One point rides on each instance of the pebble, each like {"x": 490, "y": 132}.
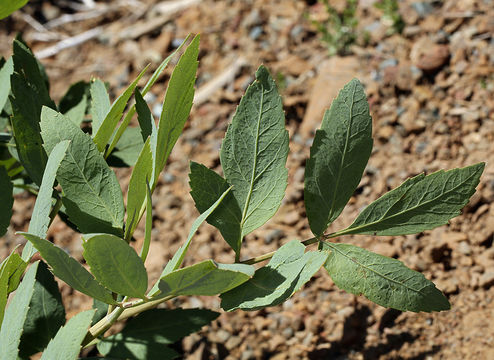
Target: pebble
{"x": 486, "y": 280}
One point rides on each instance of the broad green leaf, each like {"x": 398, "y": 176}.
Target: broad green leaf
{"x": 91, "y": 193}
{"x": 66, "y": 345}
{"x": 338, "y": 157}
{"x": 6, "y": 200}
{"x": 176, "y": 108}
{"x": 144, "y": 116}
{"x": 179, "y": 256}
{"x": 385, "y": 281}
{"x": 205, "y": 278}
{"x": 100, "y": 103}
{"x": 5, "y": 72}
{"x": 76, "y": 114}
{"x": 11, "y": 271}
{"x": 45, "y": 316}
{"x": 15, "y": 316}
{"x": 69, "y": 270}
{"x": 105, "y": 130}
{"x": 153, "y": 330}
{"x": 206, "y": 186}
{"x": 115, "y": 264}
{"x": 289, "y": 269}
{"x": 40, "y": 218}
{"x": 7, "y": 7}
{"x": 127, "y": 151}
{"x": 254, "y": 152}
{"x": 420, "y": 203}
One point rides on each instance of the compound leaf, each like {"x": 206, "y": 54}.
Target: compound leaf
{"x": 420, "y": 203}
{"x": 100, "y": 103}
{"x": 254, "y": 152}
{"x": 69, "y": 270}
{"x": 205, "y": 278}
{"x": 385, "y": 281}
{"x": 288, "y": 270}
{"x": 11, "y": 271}
{"x": 6, "y": 200}
{"x": 66, "y": 344}
{"x": 115, "y": 264}
{"x": 338, "y": 157}
{"x": 91, "y": 193}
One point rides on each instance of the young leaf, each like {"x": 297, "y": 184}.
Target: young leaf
{"x": 338, "y": 157}
{"x": 15, "y": 316}
{"x": 383, "y": 280}
{"x": 205, "y": 278}
{"x": 67, "y": 343}
{"x": 128, "y": 149}
{"x": 206, "y": 186}
{"x": 420, "y": 203}
{"x": 254, "y": 152}
{"x": 5, "y": 72}
{"x": 91, "y": 192}
{"x": 6, "y": 200}
{"x": 115, "y": 264}
{"x": 153, "y": 330}
{"x": 176, "y": 108}
{"x": 100, "y": 103}
{"x": 105, "y": 130}
{"x": 11, "y": 271}
{"x": 274, "y": 283}
{"x": 69, "y": 270}
{"x": 8, "y": 7}
{"x": 45, "y": 316}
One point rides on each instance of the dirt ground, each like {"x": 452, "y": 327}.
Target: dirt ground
{"x": 431, "y": 91}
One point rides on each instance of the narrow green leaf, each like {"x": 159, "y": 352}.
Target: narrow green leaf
{"x": 205, "y": 278}
{"x": 69, "y": 270}
{"x": 45, "y": 316}
{"x": 289, "y": 269}
{"x": 176, "y": 108}
{"x": 136, "y": 196}
{"x": 100, "y": 103}
{"x": 91, "y": 193}
{"x": 66, "y": 345}
{"x": 127, "y": 151}
{"x": 15, "y": 316}
{"x": 149, "y": 224}
{"x": 420, "y": 203}
{"x": 338, "y": 157}
{"x": 385, "y": 281}
{"x": 9, "y": 6}
{"x": 11, "y": 271}
{"x": 115, "y": 264}
{"x": 144, "y": 116}
{"x": 254, "y": 152}
{"x": 154, "y": 329}
{"x": 6, "y": 200}
{"x": 105, "y": 130}
{"x": 5, "y": 73}
{"x": 206, "y": 186}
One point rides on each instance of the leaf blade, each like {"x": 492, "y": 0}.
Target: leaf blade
{"x": 11, "y": 271}
{"x": 6, "y": 200}
{"x": 100, "y": 103}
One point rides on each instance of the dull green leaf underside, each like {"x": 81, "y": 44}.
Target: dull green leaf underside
{"x": 115, "y": 264}
{"x": 91, "y": 192}
{"x": 100, "y": 103}
{"x": 128, "y": 148}
{"x": 289, "y": 269}
{"x": 338, "y": 157}
{"x": 11, "y": 271}
{"x": 385, "y": 281}
{"x": 6, "y": 200}
{"x": 420, "y": 203}
{"x": 254, "y": 152}
{"x": 5, "y": 72}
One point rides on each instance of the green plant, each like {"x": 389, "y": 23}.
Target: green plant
{"x": 52, "y": 149}
{"x": 339, "y": 30}
{"x": 391, "y": 15}
{"x": 7, "y": 7}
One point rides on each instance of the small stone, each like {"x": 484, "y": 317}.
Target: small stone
{"x": 291, "y": 218}
{"x": 233, "y": 342}
{"x": 422, "y": 8}
{"x": 464, "y": 248}
{"x": 273, "y": 235}
{"x": 486, "y": 280}
{"x": 429, "y": 56}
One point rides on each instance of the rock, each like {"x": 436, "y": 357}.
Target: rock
{"x": 486, "y": 280}
{"x": 422, "y": 8}
{"x": 291, "y": 218}
{"x": 427, "y": 55}
{"x": 233, "y": 342}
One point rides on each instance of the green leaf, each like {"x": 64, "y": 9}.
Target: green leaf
{"x": 115, "y": 264}
{"x": 100, "y": 103}
{"x": 40, "y": 218}
{"x": 127, "y": 151}
{"x": 152, "y": 330}
{"x": 5, "y": 72}
{"x": 69, "y": 270}
{"x": 144, "y": 116}
{"x": 66, "y": 345}
{"x": 385, "y": 281}
{"x": 76, "y": 93}
{"x": 149, "y": 224}
{"x": 105, "y": 130}
{"x": 338, "y": 157}
{"x": 91, "y": 192}
{"x": 101, "y": 310}
{"x": 6, "y": 200}
{"x": 76, "y": 114}
{"x": 205, "y": 278}
{"x": 206, "y": 186}
{"x": 420, "y": 203}
{"x": 15, "y": 316}
{"x": 7, "y": 7}
{"x": 254, "y": 152}
{"x": 289, "y": 269}
{"x": 11, "y": 271}
{"x": 176, "y": 108}
{"x": 45, "y": 316}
